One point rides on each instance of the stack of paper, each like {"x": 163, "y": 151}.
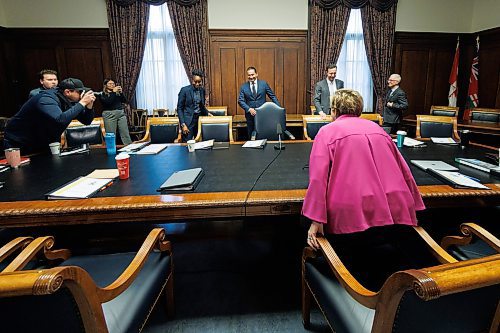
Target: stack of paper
{"x": 409, "y": 142}
{"x": 255, "y": 144}
{"x": 447, "y": 141}
{"x": 152, "y": 149}
{"x": 133, "y": 147}
{"x": 204, "y": 144}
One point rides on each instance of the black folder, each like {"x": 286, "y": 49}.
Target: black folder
{"x": 183, "y": 180}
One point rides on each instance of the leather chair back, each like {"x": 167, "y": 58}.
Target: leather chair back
{"x": 447, "y": 111}
{"x": 266, "y": 120}
{"x": 79, "y": 135}
{"x": 485, "y": 116}
{"x": 164, "y": 133}
{"x": 434, "y": 129}
{"x": 217, "y": 110}
{"x": 312, "y": 123}
{"x": 218, "y": 132}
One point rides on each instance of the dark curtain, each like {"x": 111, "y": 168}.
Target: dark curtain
{"x": 378, "y": 32}
{"x": 327, "y": 30}
{"x": 379, "y": 21}
{"x": 127, "y": 31}
{"x": 190, "y": 24}
{"x": 155, "y": 2}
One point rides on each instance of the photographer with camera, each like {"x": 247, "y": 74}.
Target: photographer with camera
{"x": 113, "y": 113}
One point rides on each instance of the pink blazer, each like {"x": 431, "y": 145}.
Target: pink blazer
{"x": 358, "y": 179}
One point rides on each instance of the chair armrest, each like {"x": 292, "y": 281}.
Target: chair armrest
{"x": 437, "y": 251}
{"x": 13, "y": 245}
{"x": 290, "y": 135}
{"x": 155, "y": 240}
{"x": 469, "y": 229}
{"x": 357, "y": 291}
{"x": 254, "y": 136}
{"x": 33, "y": 248}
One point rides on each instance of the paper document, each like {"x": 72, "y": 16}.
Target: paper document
{"x": 448, "y": 141}
{"x": 134, "y": 146}
{"x": 74, "y": 151}
{"x": 409, "y": 142}
{"x": 459, "y": 179}
{"x": 255, "y": 144}
{"x": 103, "y": 173}
{"x": 204, "y": 144}
{"x": 433, "y": 165}
{"x": 153, "y": 148}
{"x": 80, "y": 188}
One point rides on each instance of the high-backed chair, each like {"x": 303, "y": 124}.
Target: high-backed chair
{"x": 312, "y": 123}
{"x": 485, "y": 114}
{"x": 162, "y": 130}
{"x": 454, "y": 297}
{"x": 375, "y": 117}
{"x": 312, "y": 108}
{"x": 475, "y": 242}
{"x": 437, "y": 126}
{"x": 77, "y": 134}
{"x": 217, "y": 110}
{"x": 137, "y": 127}
{"x": 219, "y": 128}
{"x": 266, "y": 120}
{"x": 95, "y": 293}
{"x": 448, "y": 111}
{"x": 160, "y": 112}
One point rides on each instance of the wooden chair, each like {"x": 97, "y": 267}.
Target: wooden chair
{"x": 312, "y": 108}
{"x": 312, "y": 123}
{"x": 485, "y": 114}
{"x": 375, "y": 117}
{"x": 160, "y": 113}
{"x": 475, "y": 242}
{"x": 137, "y": 127}
{"x": 437, "y": 126}
{"x": 447, "y": 111}
{"x": 451, "y": 297}
{"x": 219, "y": 128}
{"x": 95, "y": 293}
{"x": 217, "y": 110}
{"x": 162, "y": 130}
{"x": 77, "y": 133}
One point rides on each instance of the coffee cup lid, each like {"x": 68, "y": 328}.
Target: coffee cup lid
{"x": 401, "y": 132}
{"x": 122, "y": 156}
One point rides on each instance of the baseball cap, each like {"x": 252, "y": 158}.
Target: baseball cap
{"x": 72, "y": 84}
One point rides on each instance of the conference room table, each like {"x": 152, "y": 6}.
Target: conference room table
{"x": 238, "y": 182}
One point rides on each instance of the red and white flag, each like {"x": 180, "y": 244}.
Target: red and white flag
{"x": 472, "y": 94}
{"x": 452, "y": 94}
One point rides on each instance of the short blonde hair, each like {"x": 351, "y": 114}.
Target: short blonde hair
{"x": 347, "y": 101}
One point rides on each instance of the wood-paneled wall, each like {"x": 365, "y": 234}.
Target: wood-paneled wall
{"x": 280, "y": 59}
{"x": 80, "y": 53}
{"x": 424, "y": 61}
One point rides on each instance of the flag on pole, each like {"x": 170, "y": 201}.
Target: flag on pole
{"x": 452, "y": 94}
{"x": 472, "y": 94}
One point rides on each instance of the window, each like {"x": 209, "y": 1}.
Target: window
{"x": 162, "y": 72}
{"x": 352, "y": 66}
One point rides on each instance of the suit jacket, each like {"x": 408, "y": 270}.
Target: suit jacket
{"x": 246, "y": 99}
{"x": 186, "y": 104}
{"x": 393, "y": 115}
{"x": 322, "y": 95}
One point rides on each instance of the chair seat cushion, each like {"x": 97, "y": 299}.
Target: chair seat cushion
{"x": 343, "y": 312}
{"x": 477, "y": 249}
{"x": 128, "y": 311}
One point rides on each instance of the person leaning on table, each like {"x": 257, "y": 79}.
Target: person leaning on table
{"x": 45, "y": 116}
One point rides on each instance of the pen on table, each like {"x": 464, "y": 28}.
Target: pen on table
{"x": 472, "y": 178}
{"x": 106, "y": 186}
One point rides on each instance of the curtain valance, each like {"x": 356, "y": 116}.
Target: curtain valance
{"x": 124, "y": 3}
{"x": 381, "y": 5}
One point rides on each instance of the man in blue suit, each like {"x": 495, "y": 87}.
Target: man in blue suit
{"x": 252, "y": 95}
{"x": 190, "y": 105}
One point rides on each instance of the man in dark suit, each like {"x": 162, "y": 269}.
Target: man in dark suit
{"x": 252, "y": 95}
{"x": 325, "y": 89}
{"x": 190, "y": 105}
{"x": 395, "y": 104}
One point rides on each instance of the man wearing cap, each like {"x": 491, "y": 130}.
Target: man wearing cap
{"x": 45, "y": 116}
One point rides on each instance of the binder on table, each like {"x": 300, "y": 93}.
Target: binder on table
{"x": 457, "y": 179}
{"x": 255, "y": 144}
{"x": 80, "y": 188}
{"x": 183, "y": 180}
{"x": 433, "y": 164}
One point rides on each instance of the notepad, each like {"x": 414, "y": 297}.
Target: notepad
{"x": 133, "y": 147}
{"x": 152, "y": 149}
{"x": 204, "y": 144}
{"x": 434, "y": 165}
{"x": 80, "y": 188}
{"x": 446, "y": 141}
{"x": 457, "y": 179}
{"x": 183, "y": 180}
{"x": 255, "y": 144}
{"x": 104, "y": 173}
{"x": 409, "y": 142}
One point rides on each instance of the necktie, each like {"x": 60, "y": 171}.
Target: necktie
{"x": 254, "y": 92}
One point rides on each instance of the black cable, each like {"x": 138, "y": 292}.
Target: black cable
{"x": 256, "y": 180}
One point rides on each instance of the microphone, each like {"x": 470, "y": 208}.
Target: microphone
{"x": 279, "y": 131}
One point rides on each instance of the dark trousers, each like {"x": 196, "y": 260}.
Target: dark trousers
{"x": 394, "y": 127}
{"x": 193, "y": 128}
{"x": 250, "y": 125}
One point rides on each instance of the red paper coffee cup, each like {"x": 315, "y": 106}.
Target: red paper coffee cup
{"x": 123, "y": 165}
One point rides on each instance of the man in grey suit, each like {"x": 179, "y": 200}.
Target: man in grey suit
{"x": 325, "y": 89}
{"x": 395, "y": 103}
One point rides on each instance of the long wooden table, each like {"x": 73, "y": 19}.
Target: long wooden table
{"x": 223, "y": 193}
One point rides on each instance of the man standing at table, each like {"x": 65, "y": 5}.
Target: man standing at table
{"x": 395, "y": 104}
{"x": 252, "y": 95}
{"x": 45, "y": 116}
{"x": 48, "y": 80}
{"x": 325, "y": 89}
